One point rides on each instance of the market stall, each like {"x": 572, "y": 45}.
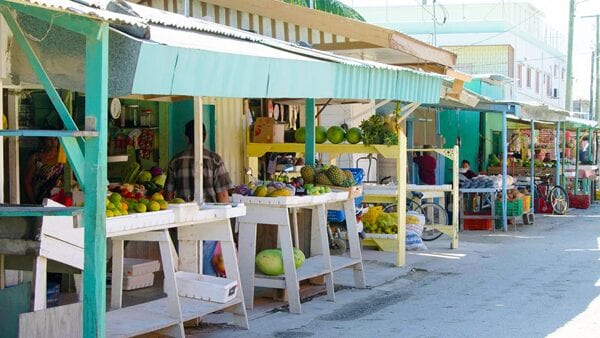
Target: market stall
{"x": 134, "y": 41}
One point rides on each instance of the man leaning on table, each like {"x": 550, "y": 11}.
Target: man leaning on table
{"x": 216, "y": 183}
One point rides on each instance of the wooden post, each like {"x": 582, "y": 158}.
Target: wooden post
{"x": 198, "y": 151}
{"x": 455, "y": 197}
{"x": 13, "y": 151}
{"x": 96, "y": 110}
{"x": 401, "y": 207}
{"x": 309, "y": 142}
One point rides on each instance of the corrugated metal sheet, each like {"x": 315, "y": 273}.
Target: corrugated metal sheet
{"x": 230, "y": 134}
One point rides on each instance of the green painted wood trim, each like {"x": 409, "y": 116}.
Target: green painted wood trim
{"x": 163, "y": 135}
{"x": 47, "y": 133}
{"x": 96, "y": 116}
{"x": 39, "y": 211}
{"x": 73, "y": 149}
{"x": 73, "y": 22}
{"x": 309, "y": 143}
{"x": 578, "y": 133}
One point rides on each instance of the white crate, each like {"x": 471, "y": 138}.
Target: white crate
{"x": 138, "y": 266}
{"x": 209, "y": 288}
{"x": 138, "y": 282}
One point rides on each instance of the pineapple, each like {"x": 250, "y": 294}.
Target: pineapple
{"x": 322, "y": 179}
{"x": 336, "y": 175}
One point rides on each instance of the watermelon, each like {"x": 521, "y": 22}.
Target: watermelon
{"x": 336, "y": 134}
{"x": 270, "y": 262}
{"x": 320, "y": 134}
{"x": 300, "y": 135}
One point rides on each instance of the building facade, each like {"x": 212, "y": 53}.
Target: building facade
{"x": 509, "y": 39}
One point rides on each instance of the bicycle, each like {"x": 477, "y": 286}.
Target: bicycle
{"x": 554, "y": 195}
{"x": 434, "y": 214}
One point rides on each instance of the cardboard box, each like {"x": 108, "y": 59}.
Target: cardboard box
{"x": 266, "y": 130}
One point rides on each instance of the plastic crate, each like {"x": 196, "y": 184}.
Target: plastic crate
{"x": 513, "y": 208}
{"x": 579, "y": 201}
{"x": 478, "y": 224}
{"x": 52, "y": 294}
{"x": 338, "y": 215}
{"x": 526, "y": 203}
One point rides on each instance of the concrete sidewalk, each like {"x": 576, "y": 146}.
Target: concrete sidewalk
{"x": 539, "y": 280}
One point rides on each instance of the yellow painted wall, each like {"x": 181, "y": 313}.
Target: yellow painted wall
{"x": 230, "y": 134}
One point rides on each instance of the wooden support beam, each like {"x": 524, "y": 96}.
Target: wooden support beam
{"x": 48, "y": 133}
{"x": 96, "y": 108}
{"x": 13, "y": 151}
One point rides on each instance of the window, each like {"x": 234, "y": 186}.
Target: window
{"x": 537, "y": 82}
{"x": 528, "y": 77}
{"x": 563, "y": 74}
{"x": 520, "y": 76}
{"x": 548, "y": 85}
{"x": 555, "y": 71}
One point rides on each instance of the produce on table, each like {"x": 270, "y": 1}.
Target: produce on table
{"x": 270, "y": 261}
{"x": 336, "y": 134}
{"x": 375, "y": 130}
{"x": 320, "y": 134}
{"x": 354, "y": 135}
{"x": 385, "y": 223}
{"x": 300, "y": 135}
{"x": 327, "y": 175}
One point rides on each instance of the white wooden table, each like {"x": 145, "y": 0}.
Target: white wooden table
{"x": 167, "y": 315}
{"x": 276, "y": 211}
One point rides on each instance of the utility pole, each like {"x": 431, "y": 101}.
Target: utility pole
{"x": 569, "y": 84}
{"x": 596, "y": 69}
{"x": 592, "y": 78}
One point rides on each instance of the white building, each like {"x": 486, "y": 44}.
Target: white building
{"x": 510, "y": 39}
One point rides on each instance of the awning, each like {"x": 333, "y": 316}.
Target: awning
{"x": 208, "y": 59}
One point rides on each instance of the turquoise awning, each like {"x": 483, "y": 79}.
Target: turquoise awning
{"x": 208, "y": 59}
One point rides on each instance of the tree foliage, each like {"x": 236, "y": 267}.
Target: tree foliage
{"x": 330, "y": 6}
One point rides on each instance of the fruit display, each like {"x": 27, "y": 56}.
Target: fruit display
{"x": 333, "y": 134}
{"x": 270, "y": 261}
{"x": 141, "y": 191}
{"x": 379, "y": 130}
{"x": 293, "y": 187}
{"x": 327, "y": 175}
{"x": 385, "y": 223}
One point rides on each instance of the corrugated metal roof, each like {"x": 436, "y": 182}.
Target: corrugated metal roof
{"x": 82, "y": 9}
{"x": 268, "y": 67}
{"x": 142, "y": 16}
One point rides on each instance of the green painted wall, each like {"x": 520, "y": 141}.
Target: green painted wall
{"x": 491, "y": 129}
{"x": 463, "y": 124}
{"x": 180, "y": 113}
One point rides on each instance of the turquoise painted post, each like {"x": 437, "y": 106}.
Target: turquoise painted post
{"x": 309, "y": 143}
{"x": 576, "y": 189}
{"x": 96, "y": 118}
{"x": 504, "y": 171}
{"x": 557, "y": 154}
{"x": 531, "y": 166}
{"x": 564, "y": 146}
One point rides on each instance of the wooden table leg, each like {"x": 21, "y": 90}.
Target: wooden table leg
{"x": 291, "y": 278}
{"x": 240, "y": 317}
{"x": 320, "y": 239}
{"x": 247, "y": 252}
{"x": 39, "y": 283}
{"x": 354, "y": 241}
{"x": 171, "y": 283}
{"x": 116, "y": 290}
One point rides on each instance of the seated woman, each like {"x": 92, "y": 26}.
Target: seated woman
{"x": 43, "y": 171}
{"x": 466, "y": 169}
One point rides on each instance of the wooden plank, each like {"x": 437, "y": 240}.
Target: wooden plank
{"x": 40, "y": 283}
{"x": 13, "y": 150}
{"x": 57, "y": 322}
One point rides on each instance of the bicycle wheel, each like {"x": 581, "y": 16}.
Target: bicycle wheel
{"x": 559, "y": 200}
{"x": 434, "y": 215}
{"x": 411, "y": 205}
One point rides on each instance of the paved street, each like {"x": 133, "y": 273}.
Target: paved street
{"x": 543, "y": 280}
